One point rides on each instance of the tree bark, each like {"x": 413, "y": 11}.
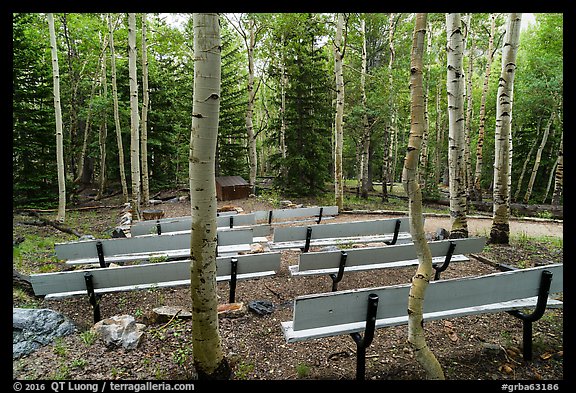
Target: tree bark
{"x": 144, "y": 118}
{"x": 134, "y": 118}
{"x": 455, "y": 91}
{"x": 58, "y": 116}
{"x": 500, "y": 231}
{"x": 116, "y": 112}
{"x": 477, "y": 189}
{"x": 252, "y": 153}
{"x": 103, "y": 133}
{"x": 209, "y": 358}
{"x": 366, "y": 183}
{"x": 339, "y": 119}
{"x": 559, "y": 174}
{"x": 538, "y": 158}
{"x": 420, "y": 280}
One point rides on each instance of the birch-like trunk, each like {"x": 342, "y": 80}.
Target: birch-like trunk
{"x": 116, "y": 113}
{"x": 209, "y": 358}
{"x": 538, "y": 158}
{"x": 339, "y": 119}
{"x": 468, "y": 184}
{"x": 500, "y": 231}
{"x": 144, "y": 118}
{"x": 477, "y": 189}
{"x": 103, "y": 133}
{"x": 439, "y": 139}
{"x": 392, "y": 134}
{"x": 252, "y": 153}
{"x": 423, "y": 167}
{"x": 82, "y": 161}
{"x": 525, "y": 165}
{"x": 559, "y": 174}
{"x": 456, "y": 139}
{"x": 134, "y": 118}
{"x": 366, "y": 127}
{"x": 424, "y": 272}
{"x": 61, "y": 216}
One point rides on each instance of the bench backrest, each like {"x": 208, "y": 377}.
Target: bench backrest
{"x": 150, "y": 273}
{"x": 146, "y": 243}
{"x": 341, "y": 229}
{"x": 387, "y": 254}
{"x": 283, "y": 214}
{"x": 185, "y": 223}
{"x": 347, "y": 309}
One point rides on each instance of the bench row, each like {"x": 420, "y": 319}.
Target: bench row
{"x": 232, "y": 241}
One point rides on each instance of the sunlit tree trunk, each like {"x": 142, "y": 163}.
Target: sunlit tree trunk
{"x": 538, "y": 157}
{"x": 559, "y": 174}
{"x": 339, "y": 120}
{"x": 252, "y": 153}
{"x": 455, "y": 90}
{"x": 366, "y": 127}
{"x": 469, "y": 109}
{"x": 525, "y": 165}
{"x": 134, "y": 118}
{"x": 423, "y": 275}
{"x": 423, "y": 167}
{"x": 61, "y": 216}
{"x": 103, "y": 133}
{"x": 392, "y": 129}
{"x": 144, "y": 118}
{"x": 116, "y": 113}
{"x": 209, "y": 359}
{"x": 500, "y": 231}
{"x": 477, "y": 193}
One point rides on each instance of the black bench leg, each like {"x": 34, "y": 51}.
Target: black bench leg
{"x": 92, "y": 296}
{"x": 396, "y": 231}
{"x": 528, "y": 319}
{"x": 233, "y": 278}
{"x": 364, "y": 342}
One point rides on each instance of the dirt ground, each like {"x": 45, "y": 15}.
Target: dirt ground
{"x": 480, "y": 347}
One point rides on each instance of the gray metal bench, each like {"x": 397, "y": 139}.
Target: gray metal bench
{"x": 283, "y": 216}
{"x": 336, "y": 263}
{"x": 98, "y": 281}
{"x": 169, "y": 246}
{"x": 177, "y": 224}
{"x": 389, "y": 231}
{"x": 353, "y": 311}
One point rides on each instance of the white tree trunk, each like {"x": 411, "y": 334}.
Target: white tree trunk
{"x": 208, "y": 355}
{"x": 144, "y": 118}
{"x": 339, "y": 140}
{"x": 58, "y": 116}
{"x": 366, "y": 127}
{"x": 500, "y": 231}
{"x": 252, "y": 153}
{"x": 116, "y": 113}
{"x": 559, "y": 175}
{"x": 480, "y": 144}
{"x": 134, "y": 118}
{"x": 423, "y": 275}
{"x": 538, "y": 158}
{"x": 455, "y": 90}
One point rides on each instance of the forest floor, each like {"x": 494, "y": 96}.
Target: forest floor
{"x": 479, "y": 347}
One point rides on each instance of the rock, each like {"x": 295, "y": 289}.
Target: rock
{"x": 152, "y": 214}
{"x": 118, "y": 233}
{"x": 164, "y": 314}
{"x": 261, "y": 307}
{"x": 86, "y": 237}
{"x": 34, "y": 328}
{"x": 120, "y": 330}
{"x": 442, "y": 234}
{"x": 231, "y": 310}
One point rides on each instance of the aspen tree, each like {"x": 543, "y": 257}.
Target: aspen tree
{"x": 500, "y": 231}
{"x": 424, "y": 272}
{"x": 134, "y": 118}
{"x": 116, "y": 112}
{"x": 209, "y": 359}
{"x": 144, "y": 118}
{"x": 58, "y": 116}
{"x": 339, "y": 140}
{"x": 456, "y": 161}
{"x": 366, "y": 183}
{"x": 477, "y": 189}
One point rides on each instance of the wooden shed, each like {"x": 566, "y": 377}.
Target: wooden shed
{"x": 232, "y": 187}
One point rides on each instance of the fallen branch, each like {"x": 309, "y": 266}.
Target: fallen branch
{"x": 56, "y": 224}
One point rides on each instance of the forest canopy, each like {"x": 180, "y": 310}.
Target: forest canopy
{"x": 292, "y": 106}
